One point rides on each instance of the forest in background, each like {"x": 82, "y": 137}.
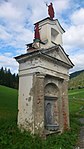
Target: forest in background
{"x": 8, "y": 79}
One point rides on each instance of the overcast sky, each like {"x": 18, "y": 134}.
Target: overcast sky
{"x": 16, "y": 28}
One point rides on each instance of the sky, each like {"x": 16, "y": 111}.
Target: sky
{"x": 16, "y": 28}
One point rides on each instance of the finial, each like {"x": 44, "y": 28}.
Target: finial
{"x": 50, "y": 10}
{"x": 36, "y": 33}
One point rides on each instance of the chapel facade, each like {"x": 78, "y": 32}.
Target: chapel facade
{"x": 43, "y": 81}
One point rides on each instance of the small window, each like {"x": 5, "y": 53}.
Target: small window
{"x": 54, "y": 34}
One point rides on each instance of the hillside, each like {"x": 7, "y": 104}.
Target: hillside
{"x": 12, "y": 138}
{"x": 8, "y": 103}
{"x": 77, "y": 80}
{"x": 75, "y": 74}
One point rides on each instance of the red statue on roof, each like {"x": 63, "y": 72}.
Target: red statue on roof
{"x": 36, "y": 33}
{"x": 51, "y": 11}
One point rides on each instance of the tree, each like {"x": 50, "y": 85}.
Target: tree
{"x": 8, "y": 79}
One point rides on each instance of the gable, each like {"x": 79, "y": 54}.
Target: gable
{"x": 58, "y": 53}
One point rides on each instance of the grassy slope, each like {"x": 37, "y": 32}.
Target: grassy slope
{"x": 8, "y": 103}
{"x": 12, "y": 138}
{"x": 76, "y": 73}
{"x": 76, "y": 102}
{"x": 77, "y": 81}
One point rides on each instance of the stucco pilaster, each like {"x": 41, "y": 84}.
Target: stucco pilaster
{"x": 60, "y": 108}
{"x": 38, "y": 103}
{"x": 65, "y": 105}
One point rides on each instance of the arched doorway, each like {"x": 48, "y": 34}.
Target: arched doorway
{"x": 51, "y": 112}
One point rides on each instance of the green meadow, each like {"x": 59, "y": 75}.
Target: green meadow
{"x": 12, "y": 138}
{"x": 76, "y": 102}
{"x": 8, "y": 104}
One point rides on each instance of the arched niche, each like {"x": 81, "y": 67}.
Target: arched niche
{"x": 51, "y": 113}
{"x": 51, "y": 90}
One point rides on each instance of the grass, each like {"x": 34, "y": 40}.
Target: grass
{"x": 8, "y": 104}
{"x": 77, "y": 81}
{"x": 76, "y": 102}
{"x": 12, "y": 138}
{"x": 76, "y": 93}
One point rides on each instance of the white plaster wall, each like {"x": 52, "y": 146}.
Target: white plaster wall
{"x": 45, "y": 33}
{"x": 39, "y": 61}
{"x": 53, "y": 66}
{"x": 30, "y": 63}
{"x": 42, "y": 65}
{"x": 25, "y": 102}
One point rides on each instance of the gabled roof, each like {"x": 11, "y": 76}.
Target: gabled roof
{"x": 61, "y": 56}
{"x": 54, "y": 20}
